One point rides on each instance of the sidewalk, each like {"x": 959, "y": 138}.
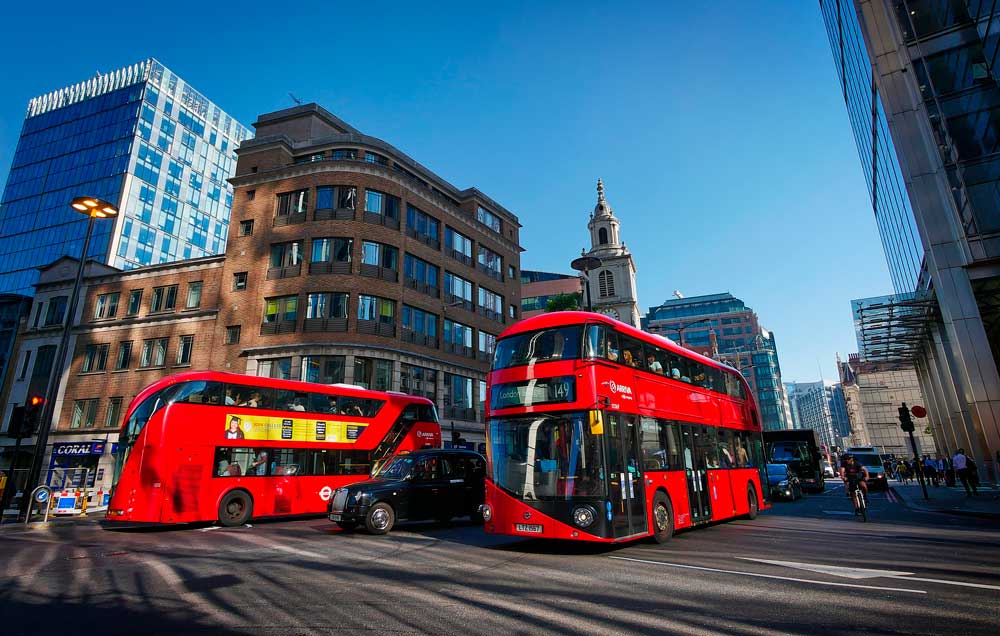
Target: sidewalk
{"x": 951, "y": 500}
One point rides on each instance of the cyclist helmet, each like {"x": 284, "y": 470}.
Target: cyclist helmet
{"x": 847, "y": 456}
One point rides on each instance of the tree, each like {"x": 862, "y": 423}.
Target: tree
{"x": 563, "y": 302}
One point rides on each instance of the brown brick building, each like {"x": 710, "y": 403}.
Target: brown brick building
{"x": 347, "y": 261}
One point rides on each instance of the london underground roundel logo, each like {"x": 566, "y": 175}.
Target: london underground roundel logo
{"x": 325, "y": 493}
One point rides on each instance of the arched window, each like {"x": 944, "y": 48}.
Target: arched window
{"x": 606, "y": 284}
{"x": 602, "y": 236}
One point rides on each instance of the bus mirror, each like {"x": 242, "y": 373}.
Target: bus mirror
{"x": 596, "y": 423}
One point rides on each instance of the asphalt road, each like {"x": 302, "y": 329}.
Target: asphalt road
{"x": 933, "y": 574}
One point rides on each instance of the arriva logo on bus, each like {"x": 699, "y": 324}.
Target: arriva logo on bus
{"x": 619, "y": 389}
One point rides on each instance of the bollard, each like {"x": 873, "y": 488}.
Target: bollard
{"x": 83, "y": 506}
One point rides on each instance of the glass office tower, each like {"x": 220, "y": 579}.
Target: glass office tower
{"x": 140, "y": 137}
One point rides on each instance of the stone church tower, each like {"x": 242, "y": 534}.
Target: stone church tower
{"x": 612, "y": 285}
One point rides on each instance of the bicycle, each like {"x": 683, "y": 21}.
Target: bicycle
{"x": 860, "y": 501}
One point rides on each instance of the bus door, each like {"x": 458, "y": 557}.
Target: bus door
{"x": 625, "y": 476}
{"x": 696, "y": 470}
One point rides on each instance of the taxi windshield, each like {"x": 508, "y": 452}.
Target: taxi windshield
{"x": 397, "y": 468}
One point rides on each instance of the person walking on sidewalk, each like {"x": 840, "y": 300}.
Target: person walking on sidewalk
{"x": 930, "y": 470}
{"x": 961, "y": 463}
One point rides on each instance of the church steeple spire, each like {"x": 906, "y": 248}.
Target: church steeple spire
{"x": 612, "y": 285}
{"x": 602, "y": 209}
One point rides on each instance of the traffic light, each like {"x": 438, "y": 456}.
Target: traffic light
{"x": 905, "y": 421}
{"x": 24, "y": 419}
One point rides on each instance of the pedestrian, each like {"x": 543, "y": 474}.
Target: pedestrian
{"x": 961, "y": 462}
{"x": 930, "y": 470}
{"x": 949, "y": 472}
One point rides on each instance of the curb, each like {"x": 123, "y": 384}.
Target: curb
{"x": 19, "y": 526}
{"x": 946, "y": 511}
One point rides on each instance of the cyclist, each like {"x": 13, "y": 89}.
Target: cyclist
{"x": 855, "y": 476}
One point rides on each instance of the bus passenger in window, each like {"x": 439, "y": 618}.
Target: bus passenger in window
{"x": 331, "y": 405}
{"x": 259, "y": 466}
{"x": 628, "y": 359}
{"x": 675, "y": 373}
{"x": 297, "y": 405}
{"x": 653, "y": 364}
{"x": 741, "y": 455}
{"x": 230, "y": 401}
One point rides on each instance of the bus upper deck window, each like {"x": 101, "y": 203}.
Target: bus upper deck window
{"x": 596, "y": 343}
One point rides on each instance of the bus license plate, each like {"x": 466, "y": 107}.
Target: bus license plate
{"x": 528, "y": 527}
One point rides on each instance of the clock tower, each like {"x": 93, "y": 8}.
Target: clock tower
{"x": 612, "y": 285}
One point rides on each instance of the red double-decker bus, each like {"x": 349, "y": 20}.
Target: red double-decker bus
{"x": 206, "y": 446}
{"x": 601, "y": 432}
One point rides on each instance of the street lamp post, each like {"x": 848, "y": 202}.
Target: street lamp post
{"x": 95, "y": 209}
{"x": 680, "y": 330}
{"x": 585, "y": 264}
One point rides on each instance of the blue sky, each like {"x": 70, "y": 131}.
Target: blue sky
{"x": 718, "y": 128}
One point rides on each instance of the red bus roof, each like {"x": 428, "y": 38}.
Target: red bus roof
{"x": 566, "y": 318}
{"x": 270, "y": 383}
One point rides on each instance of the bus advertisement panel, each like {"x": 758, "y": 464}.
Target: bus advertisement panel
{"x": 206, "y": 446}
{"x": 600, "y": 432}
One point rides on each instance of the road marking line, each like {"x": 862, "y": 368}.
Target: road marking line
{"x": 944, "y": 582}
{"x": 866, "y": 573}
{"x": 838, "y": 512}
{"x": 209, "y": 529}
{"x": 772, "y": 576}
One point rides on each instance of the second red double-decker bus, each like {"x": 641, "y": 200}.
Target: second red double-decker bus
{"x": 598, "y": 431}
{"x": 206, "y": 446}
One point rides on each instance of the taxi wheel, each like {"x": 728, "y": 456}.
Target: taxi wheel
{"x": 235, "y": 509}
{"x": 663, "y": 518}
{"x": 380, "y": 518}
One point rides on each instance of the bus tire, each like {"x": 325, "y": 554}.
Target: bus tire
{"x": 752, "y": 502}
{"x": 236, "y": 508}
{"x": 663, "y": 518}
{"x": 380, "y": 518}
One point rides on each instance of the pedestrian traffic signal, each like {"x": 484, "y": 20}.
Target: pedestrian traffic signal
{"x": 905, "y": 421}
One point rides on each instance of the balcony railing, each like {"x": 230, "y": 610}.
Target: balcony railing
{"x": 457, "y": 349}
{"x": 423, "y": 238}
{"x": 289, "y": 219}
{"x": 377, "y": 328}
{"x": 460, "y": 413}
{"x": 492, "y": 273}
{"x": 314, "y": 325}
{"x": 277, "y": 327}
{"x": 381, "y": 219}
{"x": 330, "y": 214}
{"x": 408, "y": 335}
{"x": 458, "y": 301}
{"x": 330, "y": 267}
{"x": 460, "y": 257}
{"x": 422, "y": 287}
{"x": 375, "y": 271}
{"x": 484, "y": 356}
{"x": 289, "y": 271}
{"x": 491, "y": 314}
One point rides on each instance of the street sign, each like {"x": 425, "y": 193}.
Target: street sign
{"x": 918, "y": 411}
{"x": 42, "y": 495}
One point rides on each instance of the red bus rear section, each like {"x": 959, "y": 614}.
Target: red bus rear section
{"x": 598, "y": 431}
{"x": 205, "y": 446}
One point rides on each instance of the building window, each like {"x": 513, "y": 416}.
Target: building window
{"x": 344, "y": 154}
{"x": 194, "y": 295}
{"x": 154, "y": 353}
{"x": 280, "y": 368}
{"x": 420, "y": 322}
{"x": 373, "y": 373}
{"x": 283, "y": 309}
{"x": 490, "y": 262}
{"x": 290, "y": 203}
{"x": 107, "y": 306}
{"x": 457, "y": 395}
{"x": 489, "y": 219}
{"x": 379, "y": 255}
{"x": 422, "y": 272}
{"x": 512, "y": 312}
{"x": 606, "y": 284}
{"x": 417, "y": 222}
{"x": 56, "y": 312}
{"x": 239, "y": 281}
{"x": 602, "y": 236}
{"x": 233, "y": 334}
{"x": 457, "y": 337}
{"x": 376, "y": 309}
{"x": 286, "y": 254}
{"x": 84, "y": 413}
{"x": 251, "y": 195}
{"x": 25, "y": 364}
{"x": 491, "y": 304}
{"x": 124, "y": 358}
{"x": 326, "y": 305}
{"x": 323, "y": 369}
{"x": 184, "y": 347}
{"x": 164, "y": 299}
{"x": 246, "y": 227}
{"x": 134, "y": 302}
{"x": 95, "y": 357}
{"x": 345, "y": 197}
{"x": 371, "y": 157}
{"x": 418, "y": 381}
{"x": 114, "y": 413}
{"x": 511, "y": 272}
{"x": 459, "y": 245}
{"x": 383, "y": 204}
{"x": 458, "y": 288}
{"x": 487, "y": 344}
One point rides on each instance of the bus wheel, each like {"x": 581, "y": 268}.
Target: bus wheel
{"x": 235, "y": 509}
{"x": 380, "y": 518}
{"x": 663, "y": 518}
{"x": 754, "y": 505}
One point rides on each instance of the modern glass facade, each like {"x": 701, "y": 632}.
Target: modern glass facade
{"x": 723, "y": 327}
{"x": 139, "y": 136}
{"x": 890, "y": 201}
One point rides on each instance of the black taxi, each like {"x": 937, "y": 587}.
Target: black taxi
{"x": 439, "y": 484}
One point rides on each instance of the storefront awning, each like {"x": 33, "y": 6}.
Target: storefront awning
{"x": 893, "y": 327}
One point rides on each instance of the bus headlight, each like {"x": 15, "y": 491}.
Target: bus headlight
{"x": 583, "y": 516}
{"x": 486, "y": 512}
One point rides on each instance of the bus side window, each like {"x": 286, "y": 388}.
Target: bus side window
{"x": 612, "y": 352}
{"x": 595, "y": 342}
